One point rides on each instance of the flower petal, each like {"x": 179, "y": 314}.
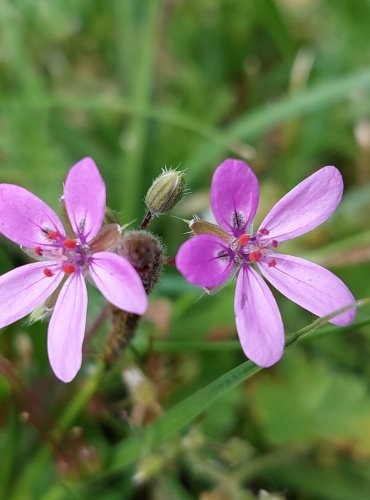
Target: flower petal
{"x": 205, "y": 260}
{"x": 84, "y": 194}
{"x": 26, "y": 288}
{"x": 258, "y": 319}
{"x": 23, "y": 216}
{"x": 234, "y": 196}
{"x": 67, "y": 328}
{"x": 119, "y": 282}
{"x": 306, "y": 206}
{"x": 311, "y": 286}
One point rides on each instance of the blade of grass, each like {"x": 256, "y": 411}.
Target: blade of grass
{"x": 177, "y": 417}
{"x": 133, "y": 161}
{"x": 115, "y": 104}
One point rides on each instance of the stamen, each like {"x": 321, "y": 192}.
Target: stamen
{"x": 275, "y": 243}
{"x": 69, "y": 243}
{"x": 272, "y": 263}
{"x": 38, "y": 251}
{"x": 255, "y": 256}
{"x": 53, "y": 235}
{"x": 243, "y": 240}
{"x": 69, "y": 268}
{"x": 264, "y": 231}
{"x": 48, "y": 272}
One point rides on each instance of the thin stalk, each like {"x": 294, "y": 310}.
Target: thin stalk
{"x": 146, "y": 221}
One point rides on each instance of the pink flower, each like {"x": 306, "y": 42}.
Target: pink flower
{"x": 67, "y": 259}
{"x": 217, "y": 252}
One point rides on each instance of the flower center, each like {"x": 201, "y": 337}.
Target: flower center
{"x": 257, "y": 248}
{"x": 70, "y": 254}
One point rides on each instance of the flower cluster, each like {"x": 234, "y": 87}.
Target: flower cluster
{"x": 218, "y": 252}
{"x": 66, "y": 257}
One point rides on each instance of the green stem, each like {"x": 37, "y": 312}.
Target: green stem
{"x": 257, "y": 466}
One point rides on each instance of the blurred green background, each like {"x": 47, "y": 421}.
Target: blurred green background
{"x": 143, "y": 84}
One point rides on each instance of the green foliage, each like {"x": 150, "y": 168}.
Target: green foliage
{"x": 319, "y": 403}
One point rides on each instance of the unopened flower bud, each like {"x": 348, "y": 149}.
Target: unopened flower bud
{"x": 146, "y": 254}
{"x": 165, "y": 192}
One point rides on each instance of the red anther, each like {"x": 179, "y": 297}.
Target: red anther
{"x": 53, "y": 235}
{"x": 272, "y": 263}
{"x": 48, "y": 272}
{"x": 275, "y": 243}
{"x": 38, "y": 251}
{"x": 243, "y": 240}
{"x": 264, "y": 231}
{"x": 69, "y": 268}
{"x": 255, "y": 256}
{"x": 68, "y": 243}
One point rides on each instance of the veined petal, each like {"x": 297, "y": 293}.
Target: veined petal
{"x": 258, "y": 321}
{"x": 205, "y": 260}
{"x": 119, "y": 282}
{"x": 26, "y": 288}
{"x": 24, "y": 218}
{"x": 306, "y": 206}
{"x": 67, "y": 328}
{"x": 84, "y": 195}
{"x": 234, "y": 196}
{"x": 311, "y": 286}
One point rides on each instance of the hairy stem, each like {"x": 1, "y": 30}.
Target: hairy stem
{"x": 122, "y": 331}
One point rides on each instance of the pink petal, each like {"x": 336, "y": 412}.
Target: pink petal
{"x": 205, "y": 260}
{"x": 119, "y": 282}
{"x": 234, "y": 196}
{"x": 311, "y": 286}
{"x": 306, "y": 206}
{"x": 258, "y": 319}
{"x": 67, "y": 328}
{"x": 23, "y": 216}
{"x": 26, "y": 288}
{"x": 84, "y": 194}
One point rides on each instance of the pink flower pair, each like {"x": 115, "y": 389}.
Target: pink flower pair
{"x": 216, "y": 253}
{"x": 66, "y": 257}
